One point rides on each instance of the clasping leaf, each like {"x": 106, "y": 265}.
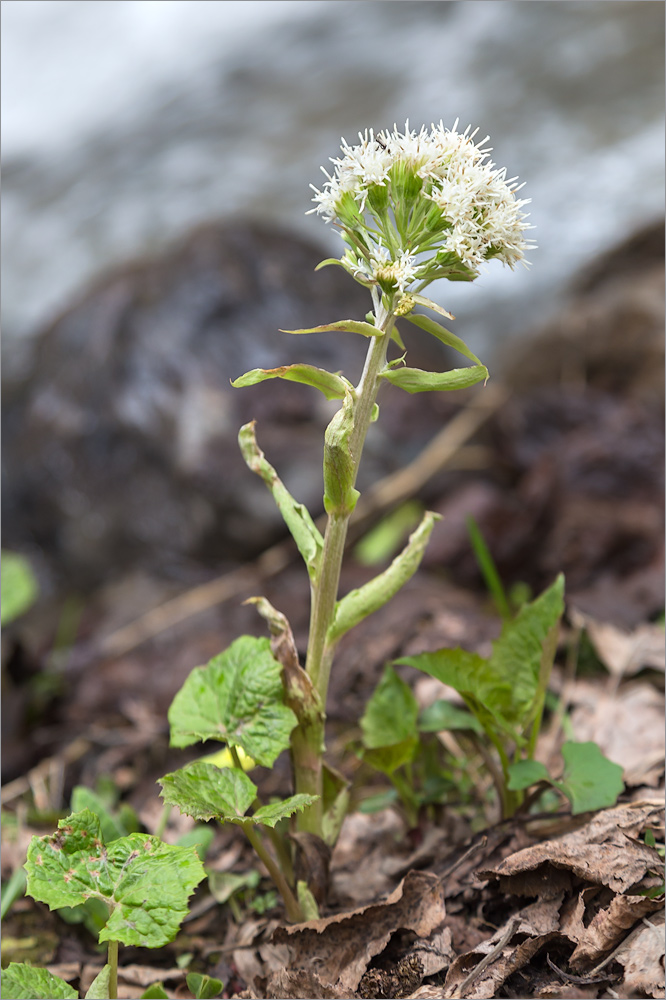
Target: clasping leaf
{"x": 296, "y": 516}
{"x": 332, "y": 386}
{"x": 416, "y": 380}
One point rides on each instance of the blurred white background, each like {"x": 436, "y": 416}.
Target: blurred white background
{"x": 126, "y": 122}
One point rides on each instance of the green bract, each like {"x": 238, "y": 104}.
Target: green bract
{"x": 237, "y": 698}
{"x": 144, "y": 882}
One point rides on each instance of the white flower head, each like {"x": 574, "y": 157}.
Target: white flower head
{"x": 433, "y": 191}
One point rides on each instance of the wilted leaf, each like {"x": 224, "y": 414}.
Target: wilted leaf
{"x": 20, "y": 981}
{"x": 390, "y": 714}
{"x": 237, "y": 697}
{"x": 341, "y": 947}
{"x": 144, "y": 882}
{"x": 415, "y": 380}
{"x": 332, "y": 386}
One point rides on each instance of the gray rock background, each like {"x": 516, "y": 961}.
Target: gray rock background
{"x": 127, "y": 122}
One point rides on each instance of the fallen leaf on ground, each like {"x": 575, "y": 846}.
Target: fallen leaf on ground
{"x": 625, "y": 653}
{"x": 643, "y": 960}
{"x": 341, "y": 947}
{"x": 605, "y": 851}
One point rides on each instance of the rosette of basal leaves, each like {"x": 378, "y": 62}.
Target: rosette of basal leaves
{"x": 205, "y": 792}
{"x": 237, "y": 698}
{"x": 144, "y": 882}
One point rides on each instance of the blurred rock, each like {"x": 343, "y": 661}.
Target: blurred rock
{"x": 120, "y": 448}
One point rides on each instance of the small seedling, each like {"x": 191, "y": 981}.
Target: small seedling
{"x": 143, "y": 883}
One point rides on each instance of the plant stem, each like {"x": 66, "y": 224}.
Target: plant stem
{"x": 325, "y": 593}
{"x": 291, "y": 905}
{"x": 112, "y": 959}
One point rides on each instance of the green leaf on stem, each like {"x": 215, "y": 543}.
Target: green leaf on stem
{"x": 296, "y": 515}
{"x": 20, "y": 980}
{"x": 524, "y": 773}
{"x": 343, "y": 326}
{"x": 391, "y": 713}
{"x": 205, "y": 792}
{"x": 590, "y": 781}
{"x": 332, "y": 386}
{"x": 144, "y": 882}
{"x": 358, "y": 604}
{"x": 335, "y": 802}
{"x": 445, "y": 336}
{"x": 443, "y": 715}
{"x": 415, "y": 380}
{"x": 238, "y": 698}
{"x": 388, "y": 759}
{"x": 208, "y": 792}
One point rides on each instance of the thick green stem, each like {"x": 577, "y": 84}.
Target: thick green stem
{"x": 291, "y": 904}
{"x": 112, "y": 960}
{"x": 325, "y": 593}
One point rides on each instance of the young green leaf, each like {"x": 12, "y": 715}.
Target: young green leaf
{"x": 20, "y": 981}
{"x": 85, "y": 798}
{"x": 446, "y": 337}
{"x": 306, "y": 901}
{"x": 203, "y": 987}
{"x": 415, "y": 380}
{"x": 19, "y": 587}
{"x": 332, "y": 386}
{"x": 388, "y": 759}
{"x": 296, "y": 516}
{"x": 590, "y": 781}
{"x": 358, "y": 604}
{"x": 208, "y": 792}
{"x": 237, "y": 697}
{"x": 524, "y": 773}
{"x": 144, "y": 882}
{"x": 343, "y": 325}
{"x": 99, "y": 988}
{"x": 12, "y": 890}
{"x": 155, "y": 992}
{"x": 443, "y": 715}
{"x": 390, "y": 715}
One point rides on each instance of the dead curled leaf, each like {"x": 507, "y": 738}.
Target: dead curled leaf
{"x": 339, "y": 948}
{"x": 643, "y": 959}
{"x": 605, "y": 851}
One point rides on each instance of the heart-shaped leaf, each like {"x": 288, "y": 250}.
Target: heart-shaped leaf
{"x": 144, "y": 882}
{"x": 237, "y": 697}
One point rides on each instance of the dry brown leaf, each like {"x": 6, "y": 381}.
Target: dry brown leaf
{"x": 628, "y": 726}
{"x": 340, "y": 948}
{"x": 608, "y": 927}
{"x": 475, "y": 977}
{"x": 643, "y": 960}
{"x": 625, "y": 653}
{"x": 290, "y": 984}
{"x": 605, "y": 851}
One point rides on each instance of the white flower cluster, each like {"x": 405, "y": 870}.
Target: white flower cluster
{"x": 431, "y": 193}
